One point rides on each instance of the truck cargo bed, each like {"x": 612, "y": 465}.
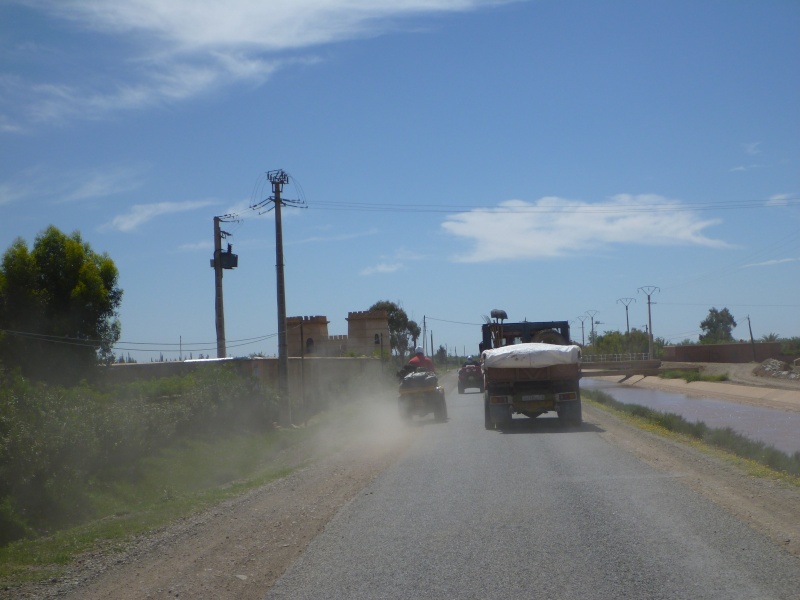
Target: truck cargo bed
{"x": 551, "y": 373}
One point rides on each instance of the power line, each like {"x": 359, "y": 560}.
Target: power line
{"x": 454, "y": 322}
{"x": 564, "y": 208}
{"x": 123, "y": 345}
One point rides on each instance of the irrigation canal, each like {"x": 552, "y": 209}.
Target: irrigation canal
{"x": 777, "y": 428}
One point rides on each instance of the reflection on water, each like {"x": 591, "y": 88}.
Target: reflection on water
{"x": 777, "y": 428}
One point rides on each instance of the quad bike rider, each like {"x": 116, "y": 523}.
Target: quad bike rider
{"x": 470, "y": 376}
{"x": 420, "y": 392}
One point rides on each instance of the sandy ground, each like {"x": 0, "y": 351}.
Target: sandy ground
{"x": 240, "y": 548}
{"x": 769, "y": 389}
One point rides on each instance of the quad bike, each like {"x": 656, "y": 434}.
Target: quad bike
{"x": 470, "y": 376}
{"x": 420, "y": 394}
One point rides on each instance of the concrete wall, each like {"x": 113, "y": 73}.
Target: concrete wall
{"x": 313, "y": 382}
{"x": 741, "y": 352}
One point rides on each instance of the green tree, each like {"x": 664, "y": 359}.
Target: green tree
{"x": 414, "y": 332}
{"x": 718, "y": 327}
{"x": 441, "y": 356}
{"x": 399, "y": 326}
{"x": 770, "y": 337}
{"x": 635, "y": 342}
{"x": 58, "y": 307}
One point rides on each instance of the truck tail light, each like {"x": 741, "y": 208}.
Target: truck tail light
{"x": 498, "y": 400}
{"x": 566, "y": 396}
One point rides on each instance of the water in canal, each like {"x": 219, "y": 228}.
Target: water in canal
{"x": 777, "y": 428}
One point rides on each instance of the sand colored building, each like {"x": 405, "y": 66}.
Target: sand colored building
{"x": 367, "y": 335}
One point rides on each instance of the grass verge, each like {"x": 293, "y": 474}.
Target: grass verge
{"x": 690, "y": 375}
{"x": 785, "y": 465}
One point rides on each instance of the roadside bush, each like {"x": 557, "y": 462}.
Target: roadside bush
{"x": 55, "y": 441}
{"x": 690, "y": 375}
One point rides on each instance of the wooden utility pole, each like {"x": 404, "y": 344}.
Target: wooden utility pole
{"x": 222, "y": 260}
{"x": 279, "y": 179}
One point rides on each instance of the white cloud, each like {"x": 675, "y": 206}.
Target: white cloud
{"x": 37, "y": 182}
{"x": 770, "y": 263}
{"x": 191, "y": 25}
{"x": 105, "y": 183}
{"x": 554, "y": 227}
{"x": 382, "y": 268}
{"x": 752, "y": 148}
{"x": 140, "y": 214}
{"x": 393, "y": 262}
{"x": 743, "y": 168}
{"x": 190, "y": 47}
{"x": 778, "y": 200}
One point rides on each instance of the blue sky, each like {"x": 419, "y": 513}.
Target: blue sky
{"x": 454, "y": 156}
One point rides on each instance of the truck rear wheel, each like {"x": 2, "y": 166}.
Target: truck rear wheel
{"x": 487, "y": 419}
{"x": 571, "y": 413}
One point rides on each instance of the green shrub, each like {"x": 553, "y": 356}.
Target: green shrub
{"x": 54, "y": 441}
{"x": 690, "y": 375}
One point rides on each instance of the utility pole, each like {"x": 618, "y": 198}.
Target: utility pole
{"x": 424, "y": 333}
{"x": 222, "y": 260}
{"x": 752, "y": 341}
{"x": 591, "y": 314}
{"x": 582, "y": 318}
{"x": 649, "y": 290}
{"x": 278, "y": 179}
{"x": 626, "y": 302}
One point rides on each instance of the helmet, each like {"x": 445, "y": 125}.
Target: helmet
{"x": 419, "y": 350}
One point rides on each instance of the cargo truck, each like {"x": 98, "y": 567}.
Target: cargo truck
{"x": 529, "y": 368}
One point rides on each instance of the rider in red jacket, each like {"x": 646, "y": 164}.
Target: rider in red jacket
{"x": 420, "y": 360}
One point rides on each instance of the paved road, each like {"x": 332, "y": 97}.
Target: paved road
{"x": 541, "y": 512}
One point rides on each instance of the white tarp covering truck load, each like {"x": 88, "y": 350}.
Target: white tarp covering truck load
{"x": 529, "y": 368}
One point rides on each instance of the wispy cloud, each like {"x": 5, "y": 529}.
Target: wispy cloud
{"x": 140, "y": 214}
{"x": 771, "y": 263}
{"x": 170, "y": 51}
{"x": 382, "y": 268}
{"x": 393, "y": 263}
{"x": 752, "y": 148}
{"x": 37, "y": 183}
{"x": 106, "y": 183}
{"x": 778, "y": 200}
{"x": 554, "y": 227}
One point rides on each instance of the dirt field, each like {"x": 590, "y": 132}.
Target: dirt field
{"x": 241, "y": 547}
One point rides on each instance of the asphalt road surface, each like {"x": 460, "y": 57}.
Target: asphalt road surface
{"x": 538, "y": 512}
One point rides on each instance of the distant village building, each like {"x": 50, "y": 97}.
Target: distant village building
{"x": 367, "y": 335}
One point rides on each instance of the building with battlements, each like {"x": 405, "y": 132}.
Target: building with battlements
{"x": 367, "y": 335}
